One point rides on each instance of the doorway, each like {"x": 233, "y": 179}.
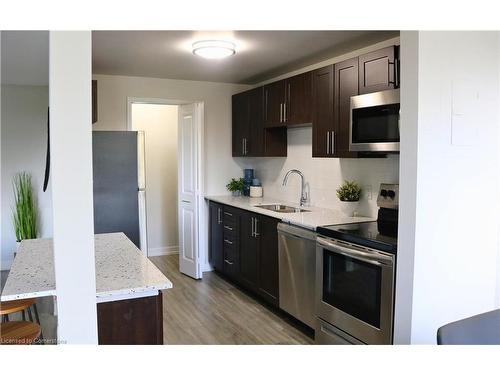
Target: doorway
{"x": 173, "y": 134}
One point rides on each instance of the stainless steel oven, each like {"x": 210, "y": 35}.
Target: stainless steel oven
{"x": 354, "y": 293}
{"x": 374, "y": 122}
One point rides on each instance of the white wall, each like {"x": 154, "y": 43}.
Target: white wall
{"x": 322, "y": 175}
{"x": 24, "y": 147}
{"x": 72, "y": 191}
{"x": 112, "y": 106}
{"x": 159, "y": 123}
{"x": 457, "y": 178}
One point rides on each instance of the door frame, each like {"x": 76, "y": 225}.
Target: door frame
{"x": 202, "y": 224}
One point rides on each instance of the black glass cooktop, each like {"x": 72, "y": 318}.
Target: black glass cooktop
{"x": 378, "y": 235}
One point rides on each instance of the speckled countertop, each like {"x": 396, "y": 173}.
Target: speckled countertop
{"x": 312, "y": 218}
{"x": 122, "y": 271}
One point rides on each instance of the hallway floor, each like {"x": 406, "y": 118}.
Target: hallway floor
{"x": 213, "y": 311}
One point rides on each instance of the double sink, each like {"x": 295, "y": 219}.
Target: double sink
{"x": 281, "y": 208}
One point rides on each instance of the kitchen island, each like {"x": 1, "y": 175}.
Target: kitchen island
{"x": 128, "y": 287}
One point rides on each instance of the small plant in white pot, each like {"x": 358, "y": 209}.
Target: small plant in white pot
{"x": 349, "y": 193}
{"x": 25, "y": 213}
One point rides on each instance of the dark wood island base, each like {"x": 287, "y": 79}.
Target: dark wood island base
{"x": 137, "y": 321}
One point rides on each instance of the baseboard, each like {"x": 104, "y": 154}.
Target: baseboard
{"x": 167, "y": 250}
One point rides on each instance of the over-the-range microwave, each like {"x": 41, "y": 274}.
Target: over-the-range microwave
{"x": 374, "y": 123}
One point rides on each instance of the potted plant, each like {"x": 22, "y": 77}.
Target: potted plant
{"x": 25, "y": 213}
{"x": 235, "y": 186}
{"x": 349, "y": 193}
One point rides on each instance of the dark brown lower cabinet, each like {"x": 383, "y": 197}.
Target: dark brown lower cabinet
{"x": 137, "y": 321}
{"x": 249, "y": 250}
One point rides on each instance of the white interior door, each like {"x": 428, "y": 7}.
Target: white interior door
{"x": 188, "y": 148}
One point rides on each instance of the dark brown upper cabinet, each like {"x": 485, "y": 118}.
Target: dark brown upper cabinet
{"x": 379, "y": 70}
{"x": 288, "y": 102}
{"x": 274, "y": 104}
{"x": 346, "y": 85}
{"x": 323, "y": 124}
{"x": 94, "y": 101}
{"x": 298, "y": 104}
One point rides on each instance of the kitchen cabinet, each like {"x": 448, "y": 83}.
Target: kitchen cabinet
{"x": 248, "y": 247}
{"x": 274, "y": 104}
{"x": 346, "y": 85}
{"x": 288, "y": 102}
{"x": 267, "y": 230}
{"x": 379, "y": 70}
{"x": 241, "y": 123}
{"x": 323, "y": 124}
{"x": 216, "y": 235}
{"x": 298, "y": 104}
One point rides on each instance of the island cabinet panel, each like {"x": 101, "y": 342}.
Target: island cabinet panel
{"x": 216, "y": 236}
{"x": 346, "y": 85}
{"x": 379, "y": 70}
{"x": 274, "y": 104}
{"x": 137, "y": 321}
{"x": 323, "y": 123}
{"x": 298, "y": 106}
{"x": 250, "y": 251}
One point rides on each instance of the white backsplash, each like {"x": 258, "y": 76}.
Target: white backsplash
{"x": 322, "y": 175}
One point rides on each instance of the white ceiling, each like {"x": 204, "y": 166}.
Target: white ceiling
{"x": 260, "y": 54}
{"x": 25, "y": 57}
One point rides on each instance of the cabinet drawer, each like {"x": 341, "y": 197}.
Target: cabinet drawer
{"x": 231, "y": 261}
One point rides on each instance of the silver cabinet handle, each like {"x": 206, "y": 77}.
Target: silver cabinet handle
{"x": 281, "y": 112}
{"x": 256, "y": 233}
{"x": 327, "y": 142}
{"x": 228, "y": 213}
{"x": 219, "y": 215}
{"x": 289, "y": 101}
{"x": 228, "y": 242}
{"x": 228, "y": 262}
{"x": 228, "y": 227}
{"x": 333, "y": 142}
{"x": 246, "y": 146}
{"x": 253, "y": 227}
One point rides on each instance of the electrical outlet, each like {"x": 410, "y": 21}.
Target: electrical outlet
{"x": 368, "y": 192}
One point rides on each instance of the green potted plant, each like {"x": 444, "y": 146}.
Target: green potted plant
{"x": 349, "y": 193}
{"x": 235, "y": 186}
{"x": 24, "y": 212}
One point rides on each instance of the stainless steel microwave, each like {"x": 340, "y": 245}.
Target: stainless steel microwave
{"x": 374, "y": 123}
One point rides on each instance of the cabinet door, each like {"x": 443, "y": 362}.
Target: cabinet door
{"x": 255, "y": 143}
{"x": 240, "y": 114}
{"x": 323, "y": 121}
{"x": 267, "y": 230}
{"x": 274, "y": 104}
{"x": 298, "y": 99}
{"x": 378, "y": 70}
{"x": 249, "y": 250}
{"x": 346, "y": 85}
{"x": 216, "y": 229}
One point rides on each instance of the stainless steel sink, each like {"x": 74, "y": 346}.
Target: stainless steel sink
{"x": 281, "y": 208}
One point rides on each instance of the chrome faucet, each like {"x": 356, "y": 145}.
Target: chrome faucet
{"x": 303, "y": 193}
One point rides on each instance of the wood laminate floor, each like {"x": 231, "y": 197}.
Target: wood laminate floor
{"x": 213, "y": 311}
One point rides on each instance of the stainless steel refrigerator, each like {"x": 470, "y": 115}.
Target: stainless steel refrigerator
{"x": 119, "y": 184}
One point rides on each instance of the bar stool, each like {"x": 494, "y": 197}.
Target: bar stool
{"x": 23, "y": 306}
{"x": 19, "y": 333}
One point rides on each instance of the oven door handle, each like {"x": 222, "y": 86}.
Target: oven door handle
{"x": 377, "y": 259}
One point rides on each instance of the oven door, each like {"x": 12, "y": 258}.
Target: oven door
{"x": 355, "y": 290}
{"x": 374, "y": 122}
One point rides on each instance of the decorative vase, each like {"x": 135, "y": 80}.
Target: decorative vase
{"x": 236, "y": 193}
{"x": 349, "y": 208}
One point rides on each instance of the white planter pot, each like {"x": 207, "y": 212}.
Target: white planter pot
{"x": 349, "y": 208}
{"x": 236, "y": 193}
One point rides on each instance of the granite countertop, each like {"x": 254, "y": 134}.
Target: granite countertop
{"x": 314, "y": 217}
{"x": 122, "y": 270}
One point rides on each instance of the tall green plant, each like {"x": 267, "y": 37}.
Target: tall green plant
{"x": 25, "y": 214}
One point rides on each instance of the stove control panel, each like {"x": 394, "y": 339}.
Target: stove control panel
{"x": 388, "y": 196}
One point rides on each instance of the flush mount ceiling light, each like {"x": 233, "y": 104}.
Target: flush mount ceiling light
{"x": 214, "y": 49}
